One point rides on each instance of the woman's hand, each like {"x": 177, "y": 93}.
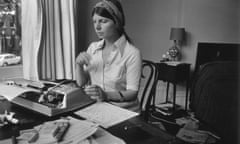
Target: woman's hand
{"x": 83, "y": 58}
{"x": 95, "y": 92}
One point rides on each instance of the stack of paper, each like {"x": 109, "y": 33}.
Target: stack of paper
{"x": 105, "y": 114}
{"x": 84, "y": 132}
{"x": 79, "y": 130}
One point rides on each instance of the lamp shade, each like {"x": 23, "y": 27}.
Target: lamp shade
{"x": 177, "y": 34}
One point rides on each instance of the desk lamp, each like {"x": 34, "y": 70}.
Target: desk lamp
{"x": 177, "y": 35}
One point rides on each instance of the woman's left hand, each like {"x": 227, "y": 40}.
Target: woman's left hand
{"x": 95, "y": 92}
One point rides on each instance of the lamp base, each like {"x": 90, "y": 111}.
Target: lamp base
{"x": 174, "y": 53}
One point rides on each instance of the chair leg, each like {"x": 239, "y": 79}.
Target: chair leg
{"x": 174, "y": 96}
{"x": 167, "y": 92}
{"x": 186, "y": 101}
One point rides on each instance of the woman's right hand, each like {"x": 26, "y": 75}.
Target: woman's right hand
{"x": 83, "y": 58}
{"x": 95, "y": 92}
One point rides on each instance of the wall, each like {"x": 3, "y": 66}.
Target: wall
{"x": 148, "y": 22}
{"x": 210, "y": 21}
{"x": 86, "y": 30}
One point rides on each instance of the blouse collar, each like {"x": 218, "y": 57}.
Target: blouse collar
{"x": 118, "y": 44}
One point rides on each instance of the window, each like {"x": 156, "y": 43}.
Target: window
{"x": 10, "y": 27}
{"x": 10, "y": 39}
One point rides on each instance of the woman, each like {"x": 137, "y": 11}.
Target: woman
{"x": 110, "y": 70}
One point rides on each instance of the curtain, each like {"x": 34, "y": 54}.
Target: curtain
{"x": 31, "y": 37}
{"x": 48, "y": 37}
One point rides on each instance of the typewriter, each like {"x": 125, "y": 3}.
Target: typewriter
{"x": 46, "y": 97}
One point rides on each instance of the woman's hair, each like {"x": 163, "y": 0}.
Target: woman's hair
{"x": 113, "y": 10}
{"x": 102, "y": 12}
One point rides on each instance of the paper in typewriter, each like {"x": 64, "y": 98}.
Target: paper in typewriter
{"x": 12, "y": 91}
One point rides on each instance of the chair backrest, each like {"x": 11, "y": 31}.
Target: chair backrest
{"x": 148, "y": 84}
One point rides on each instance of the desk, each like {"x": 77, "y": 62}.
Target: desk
{"x": 27, "y": 119}
{"x": 174, "y": 73}
{"x": 137, "y": 131}
{"x": 132, "y": 131}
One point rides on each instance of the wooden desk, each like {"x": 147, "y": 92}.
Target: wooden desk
{"x": 132, "y": 131}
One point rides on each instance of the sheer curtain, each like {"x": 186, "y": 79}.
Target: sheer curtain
{"x": 48, "y": 39}
{"x": 31, "y": 36}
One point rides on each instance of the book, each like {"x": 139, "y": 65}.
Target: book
{"x": 166, "y": 108}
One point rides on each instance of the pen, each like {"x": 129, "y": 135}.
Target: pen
{"x": 14, "y": 140}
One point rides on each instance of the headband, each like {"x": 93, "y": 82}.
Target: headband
{"x": 113, "y": 10}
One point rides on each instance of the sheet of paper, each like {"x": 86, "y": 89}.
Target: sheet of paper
{"x": 12, "y": 91}
{"x": 105, "y": 114}
{"x": 78, "y": 131}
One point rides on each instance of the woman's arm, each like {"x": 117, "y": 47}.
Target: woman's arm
{"x": 115, "y": 96}
{"x": 121, "y": 96}
{"x": 98, "y": 93}
{"x": 82, "y": 76}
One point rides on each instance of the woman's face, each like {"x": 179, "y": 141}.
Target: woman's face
{"x": 105, "y": 28}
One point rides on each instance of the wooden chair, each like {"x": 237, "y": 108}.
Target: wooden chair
{"x": 149, "y": 81}
{"x": 148, "y": 99}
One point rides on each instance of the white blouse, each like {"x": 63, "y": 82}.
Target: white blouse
{"x": 121, "y": 71}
